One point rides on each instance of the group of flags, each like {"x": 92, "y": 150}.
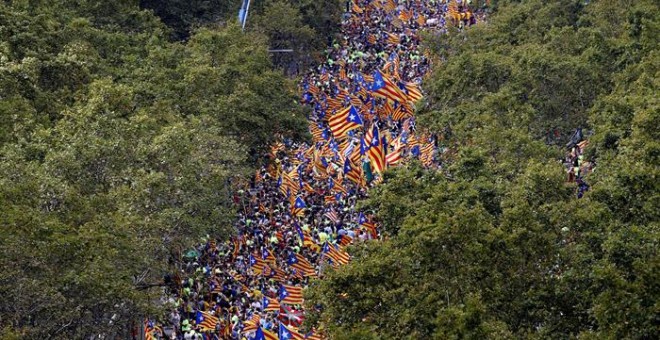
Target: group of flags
{"x": 352, "y": 129}
{"x": 284, "y": 333}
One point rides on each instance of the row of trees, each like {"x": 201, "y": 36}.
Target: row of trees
{"x": 118, "y": 148}
{"x": 496, "y": 244}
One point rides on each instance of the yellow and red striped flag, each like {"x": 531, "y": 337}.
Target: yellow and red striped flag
{"x": 343, "y": 121}
{"x": 291, "y": 294}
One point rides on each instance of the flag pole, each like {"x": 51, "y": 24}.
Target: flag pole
{"x": 247, "y": 9}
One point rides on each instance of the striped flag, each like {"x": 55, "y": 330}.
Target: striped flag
{"x": 393, "y": 158}
{"x": 368, "y": 225}
{"x": 414, "y": 94}
{"x": 305, "y": 238}
{"x": 383, "y": 87}
{"x": 252, "y": 324}
{"x": 314, "y": 90}
{"x": 287, "y": 184}
{"x": 270, "y": 305}
{"x": 316, "y": 131}
{"x": 206, "y": 321}
{"x": 393, "y": 39}
{"x": 237, "y": 277}
{"x": 148, "y": 330}
{"x": 351, "y": 172}
{"x": 343, "y": 121}
{"x": 256, "y": 263}
{"x": 276, "y": 147}
{"x": 324, "y": 77}
{"x": 345, "y": 240}
{"x": 399, "y": 113}
{"x": 332, "y": 216}
{"x": 288, "y": 333}
{"x": 336, "y": 254}
{"x": 267, "y": 271}
{"x": 237, "y": 248}
{"x": 390, "y": 5}
{"x": 427, "y": 154}
{"x": 328, "y": 199}
{"x": 298, "y": 208}
{"x": 376, "y": 152}
{"x": 299, "y": 262}
{"x": 338, "y": 187}
{"x": 333, "y": 103}
{"x": 355, "y": 101}
{"x": 267, "y": 256}
{"x": 279, "y": 275}
{"x": 307, "y": 187}
{"x": 405, "y": 15}
{"x": 291, "y": 294}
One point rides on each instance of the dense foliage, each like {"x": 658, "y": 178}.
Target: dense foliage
{"x": 183, "y": 16}
{"x": 118, "y": 148}
{"x": 304, "y": 26}
{"x": 496, "y": 244}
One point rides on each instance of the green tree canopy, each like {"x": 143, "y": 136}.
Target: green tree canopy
{"x": 119, "y": 149}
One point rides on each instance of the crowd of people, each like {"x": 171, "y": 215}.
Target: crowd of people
{"x": 576, "y": 165}
{"x": 298, "y": 215}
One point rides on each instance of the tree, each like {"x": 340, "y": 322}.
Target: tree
{"x": 119, "y": 149}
